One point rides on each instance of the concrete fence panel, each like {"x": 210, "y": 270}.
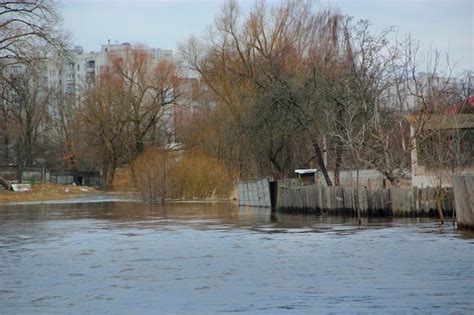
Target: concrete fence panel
{"x": 464, "y": 200}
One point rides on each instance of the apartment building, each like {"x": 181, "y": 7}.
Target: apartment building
{"x": 23, "y": 76}
{"x": 80, "y": 69}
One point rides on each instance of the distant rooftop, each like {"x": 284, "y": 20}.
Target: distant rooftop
{"x": 436, "y": 122}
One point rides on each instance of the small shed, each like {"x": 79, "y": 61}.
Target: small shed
{"x": 307, "y": 175}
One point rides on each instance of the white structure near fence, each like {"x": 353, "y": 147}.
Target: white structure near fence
{"x": 425, "y": 176}
{"x": 369, "y": 178}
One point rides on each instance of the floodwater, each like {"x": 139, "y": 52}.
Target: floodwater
{"x": 216, "y": 258}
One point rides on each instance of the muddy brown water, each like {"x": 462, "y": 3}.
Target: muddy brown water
{"x": 122, "y": 257}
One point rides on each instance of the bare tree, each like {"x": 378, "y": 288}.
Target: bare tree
{"x": 29, "y": 33}
{"x": 149, "y": 87}
{"x": 105, "y": 124}
{"x": 28, "y": 30}
{"x": 264, "y": 59}
{"x": 377, "y": 85}
{"x": 64, "y": 116}
{"x": 28, "y": 99}
{"x": 296, "y": 84}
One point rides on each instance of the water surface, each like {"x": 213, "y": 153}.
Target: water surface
{"x": 218, "y": 258}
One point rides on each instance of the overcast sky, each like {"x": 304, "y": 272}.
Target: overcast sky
{"x": 446, "y": 25}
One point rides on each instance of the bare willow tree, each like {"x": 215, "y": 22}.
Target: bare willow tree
{"x": 297, "y": 83}
{"x": 261, "y": 62}
{"x": 28, "y": 100}
{"x": 29, "y": 33}
{"x": 105, "y": 131}
{"x": 63, "y": 111}
{"x": 149, "y": 88}
{"x": 29, "y": 29}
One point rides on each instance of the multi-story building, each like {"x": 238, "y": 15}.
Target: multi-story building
{"x": 79, "y": 69}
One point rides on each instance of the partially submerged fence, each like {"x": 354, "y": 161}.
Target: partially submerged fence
{"x": 346, "y": 200}
{"x": 464, "y": 199}
{"x": 412, "y": 201}
{"x": 337, "y": 200}
{"x": 255, "y": 193}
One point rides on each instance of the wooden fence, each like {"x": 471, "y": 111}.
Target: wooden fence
{"x": 464, "y": 199}
{"x": 413, "y": 201}
{"x": 346, "y": 200}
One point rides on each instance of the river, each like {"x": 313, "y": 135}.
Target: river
{"x": 195, "y": 258}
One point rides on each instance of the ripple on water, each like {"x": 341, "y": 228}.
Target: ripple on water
{"x": 217, "y": 258}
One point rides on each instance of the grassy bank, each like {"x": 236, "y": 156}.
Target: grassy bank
{"x": 41, "y": 192}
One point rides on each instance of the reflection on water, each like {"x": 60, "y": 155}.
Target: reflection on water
{"x": 217, "y": 258}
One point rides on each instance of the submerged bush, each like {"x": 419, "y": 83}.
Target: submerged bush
{"x": 200, "y": 176}
{"x": 163, "y": 173}
{"x": 152, "y": 171}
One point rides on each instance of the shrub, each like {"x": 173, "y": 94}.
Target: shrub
{"x": 153, "y": 171}
{"x": 162, "y": 173}
{"x": 200, "y": 176}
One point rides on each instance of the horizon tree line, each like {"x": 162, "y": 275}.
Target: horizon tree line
{"x": 281, "y": 87}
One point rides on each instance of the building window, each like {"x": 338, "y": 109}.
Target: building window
{"x": 90, "y": 64}
{"x": 16, "y": 69}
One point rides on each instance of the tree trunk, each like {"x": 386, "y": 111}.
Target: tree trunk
{"x": 19, "y": 162}
{"x": 163, "y": 176}
{"x": 6, "y": 139}
{"x": 133, "y": 173}
{"x": 5, "y": 184}
{"x": 139, "y": 146}
{"x": 338, "y": 161}
{"x": 71, "y": 156}
{"x": 276, "y": 165}
{"x": 358, "y": 204}
{"x": 439, "y": 197}
{"x": 109, "y": 174}
{"x": 337, "y": 167}
{"x": 320, "y": 160}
